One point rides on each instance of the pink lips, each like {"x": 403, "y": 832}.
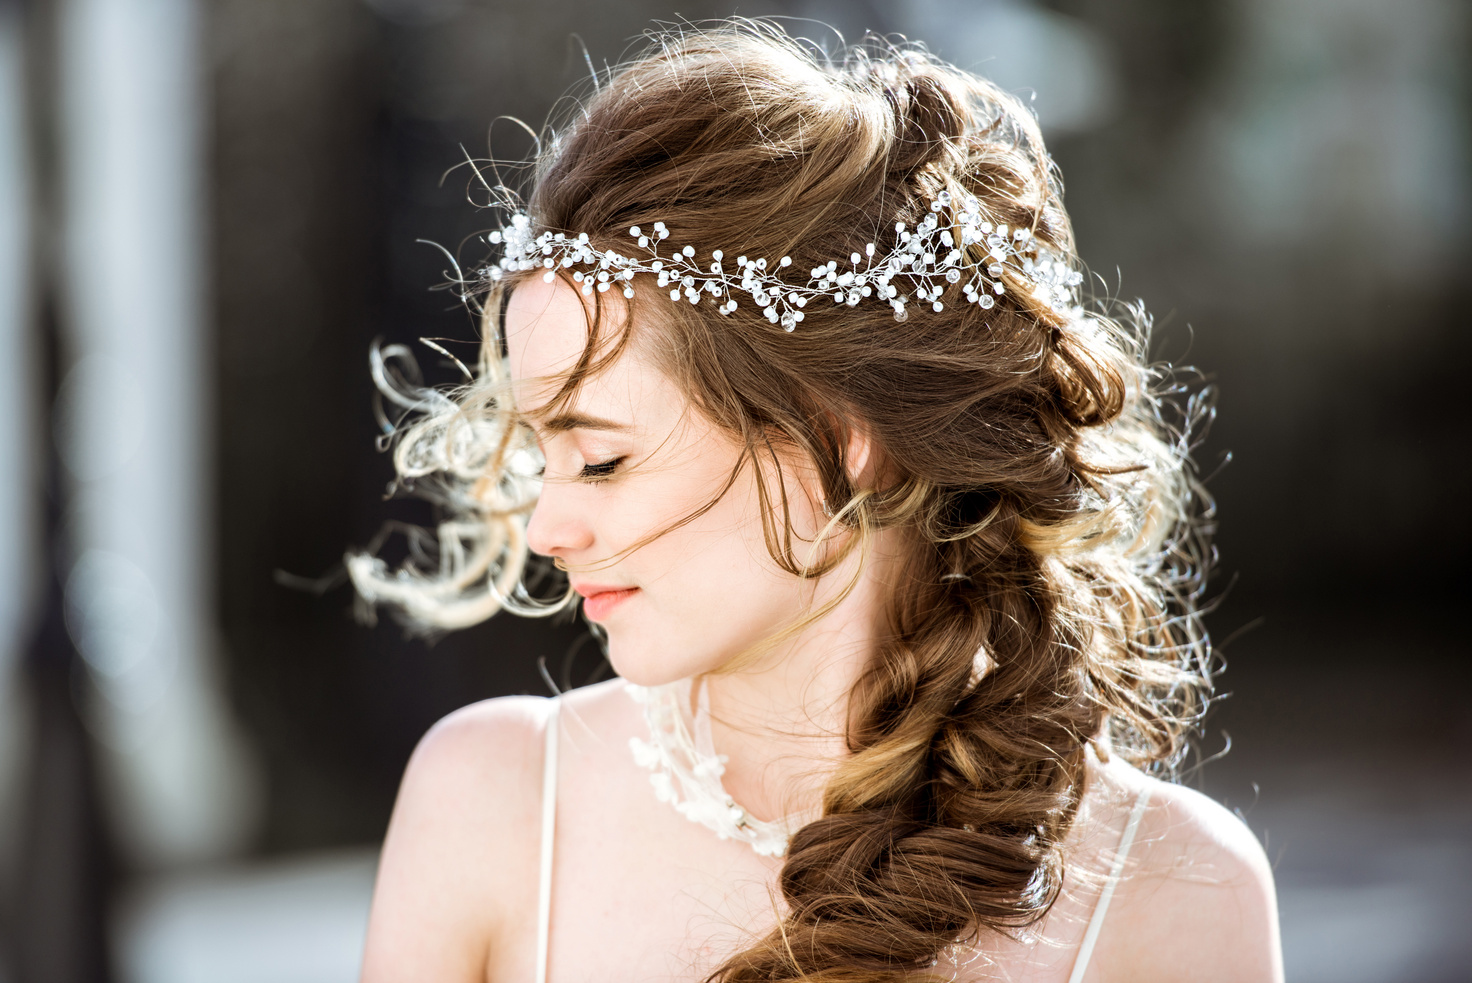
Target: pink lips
{"x": 599, "y": 600}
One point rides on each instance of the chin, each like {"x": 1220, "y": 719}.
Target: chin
{"x": 642, "y": 666}
{"x": 649, "y": 663}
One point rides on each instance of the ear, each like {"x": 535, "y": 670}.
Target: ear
{"x": 862, "y": 458}
{"x": 863, "y": 463}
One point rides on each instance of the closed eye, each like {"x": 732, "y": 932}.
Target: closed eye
{"x": 601, "y": 471}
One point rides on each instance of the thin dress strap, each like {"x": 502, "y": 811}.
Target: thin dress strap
{"x": 549, "y": 827}
{"x": 1126, "y": 839}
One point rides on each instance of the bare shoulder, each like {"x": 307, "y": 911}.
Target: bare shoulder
{"x": 479, "y": 765}
{"x": 1196, "y": 900}
{"x": 458, "y": 853}
{"x": 478, "y": 771}
{"x": 457, "y": 881}
{"x": 492, "y": 738}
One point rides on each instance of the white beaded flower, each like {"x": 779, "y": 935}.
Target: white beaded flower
{"x": 926, "y": 261}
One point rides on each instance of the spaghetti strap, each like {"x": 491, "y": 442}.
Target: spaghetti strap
{"x": 549, "y": 827}
{"x": 1126, "y": 839}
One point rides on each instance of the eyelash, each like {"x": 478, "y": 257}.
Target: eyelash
{"x": 602, "y": 471}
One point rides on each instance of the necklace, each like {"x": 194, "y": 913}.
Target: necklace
{"x": 687, "y": 771}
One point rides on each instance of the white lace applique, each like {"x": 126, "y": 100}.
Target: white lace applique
{"x": 689, "y": 777}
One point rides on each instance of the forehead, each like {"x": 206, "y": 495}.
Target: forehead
{"x": 546, "y": 327}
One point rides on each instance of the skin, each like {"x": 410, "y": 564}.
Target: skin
{"x": 639, "y": 892}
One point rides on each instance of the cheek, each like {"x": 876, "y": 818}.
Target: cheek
{"x": 711, "y": 590}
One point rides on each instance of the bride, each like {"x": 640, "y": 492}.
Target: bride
{"x": 892, "y": 539}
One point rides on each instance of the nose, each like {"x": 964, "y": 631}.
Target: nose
{"x": 557, "y": 526}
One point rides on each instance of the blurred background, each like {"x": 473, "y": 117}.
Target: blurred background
{"x": 210, "y": 208}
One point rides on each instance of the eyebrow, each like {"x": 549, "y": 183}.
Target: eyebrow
{"x": 563, "y": 422}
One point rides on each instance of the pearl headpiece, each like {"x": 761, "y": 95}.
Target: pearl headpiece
{"x": 966, "y": 249}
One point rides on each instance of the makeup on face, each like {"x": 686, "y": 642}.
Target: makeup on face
{"x": 600, "y": 601}
{"x": 640, "y": 506}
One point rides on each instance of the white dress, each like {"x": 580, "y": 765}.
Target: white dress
{"x": 549, "y": 825}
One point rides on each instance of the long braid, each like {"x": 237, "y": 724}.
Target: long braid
{"x": 963, "y": 777}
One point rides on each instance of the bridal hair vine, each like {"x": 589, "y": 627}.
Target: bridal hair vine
{"x": 969, "y": 250}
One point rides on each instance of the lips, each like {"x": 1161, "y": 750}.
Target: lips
{"x": 599, "y": 600}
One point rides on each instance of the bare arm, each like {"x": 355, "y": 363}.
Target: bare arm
{"x": 458, "y": 852}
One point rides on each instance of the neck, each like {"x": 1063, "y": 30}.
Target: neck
{"x": 783, "y": 721}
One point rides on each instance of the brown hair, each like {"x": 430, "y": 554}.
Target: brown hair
{"x": 1050, "y": 591}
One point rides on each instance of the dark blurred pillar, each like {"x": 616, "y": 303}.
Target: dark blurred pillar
{"x": 65, "y": 872}
{"x": 57, "y": 904}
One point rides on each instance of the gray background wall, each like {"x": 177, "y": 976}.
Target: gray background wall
{"x": 1283, "y": 182}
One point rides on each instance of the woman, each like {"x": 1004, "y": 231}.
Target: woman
{"x": 888, "y": 537}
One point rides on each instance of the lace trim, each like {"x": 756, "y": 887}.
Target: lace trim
{"x": 689, "y": 776}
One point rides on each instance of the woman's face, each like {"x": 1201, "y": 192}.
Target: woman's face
{"x": 627, "y": 459}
